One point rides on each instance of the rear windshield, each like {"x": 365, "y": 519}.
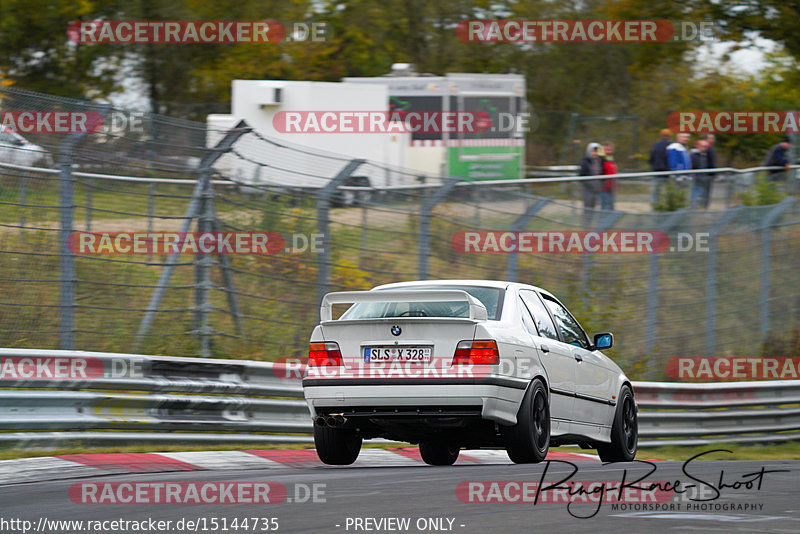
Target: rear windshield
{"x": 490, "y": 297}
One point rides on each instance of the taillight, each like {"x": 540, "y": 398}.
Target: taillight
{"x": 481, "y": 351}
{"x": 324, "y": 354}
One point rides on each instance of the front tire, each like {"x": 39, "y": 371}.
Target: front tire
{"x": 438, "y": 453}
{"x": 529, "y": 440}
{"x": 336, "y": 446}
{"x": 624, "y": 431}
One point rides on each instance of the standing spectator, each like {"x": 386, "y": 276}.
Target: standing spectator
{"x": 778, "y": 156}
{"x": 710, "y": 139}
{"x": 678, "y": 157}
{"x": 658, "y": 153}
{"x": 701, "y": 186}
{"x": 658, "y": 160}
{"x": 591, "y": 165}
{"x": 609, "y": 184}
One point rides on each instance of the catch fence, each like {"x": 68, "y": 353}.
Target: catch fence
{"x": 728, "y": 285}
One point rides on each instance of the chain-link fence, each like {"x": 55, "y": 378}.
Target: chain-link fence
{"x": 728, "y": 282}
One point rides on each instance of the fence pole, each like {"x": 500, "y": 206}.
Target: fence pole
{"x": 364, "y": 220}
{"x": 150, "y": 212}
{"x": 606, "y": 220}
{"x": 227, "y": 275}
{"x": 66, "y": 202}
{"x": 89, "y": 185}
{"x": 192, "y": 211}
{"x": 730, "y": 182}
{"x": 23, "y": 199}
{"x": 517, "y": 226}
{"x": 711, "y": 279}
{"x": 324, "y": 197}
{"x": 66, "y": 205}
{"x": 428, "y": 203}
{"x": 766, "y": 260}
{"x": 202, "y": 263}
{"x": 652, "y": 294}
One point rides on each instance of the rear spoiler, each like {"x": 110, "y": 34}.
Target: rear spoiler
{"x": 477, "y": 310}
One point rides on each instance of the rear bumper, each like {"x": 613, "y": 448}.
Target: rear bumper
{"x": 498, "y": 397}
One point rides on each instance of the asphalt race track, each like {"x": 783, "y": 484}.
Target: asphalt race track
{"x": 367, "y": 498}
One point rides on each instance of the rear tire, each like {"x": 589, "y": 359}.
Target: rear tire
{"x": 336, "y": 446}
{"x": 624, "y": 431}
{"x": 438, "y": 453}
{"x": 529, "y": 440}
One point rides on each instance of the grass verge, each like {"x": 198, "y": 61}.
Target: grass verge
{"x": 783, "y": 451}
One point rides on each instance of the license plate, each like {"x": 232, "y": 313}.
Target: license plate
{"x": 403, "y": 354}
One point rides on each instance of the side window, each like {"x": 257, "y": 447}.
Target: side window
{"x": 540, "y": 316}
{"x": 570, "y": 330}
{"x": 527, "y": 320}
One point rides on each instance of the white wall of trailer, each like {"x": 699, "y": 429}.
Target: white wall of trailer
{"x": 257, "y": 102}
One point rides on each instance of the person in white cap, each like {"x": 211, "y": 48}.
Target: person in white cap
{"x": 591, "y": 165}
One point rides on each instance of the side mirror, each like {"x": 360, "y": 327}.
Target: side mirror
{"x": 603, "y": 341}
{"x": 17, "y": 142}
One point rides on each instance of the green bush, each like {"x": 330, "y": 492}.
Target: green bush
{"x": 672, "y": 198}
{"x": 763, "y": 193}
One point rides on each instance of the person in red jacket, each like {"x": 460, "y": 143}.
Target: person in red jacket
{"x": 609, "y": 187}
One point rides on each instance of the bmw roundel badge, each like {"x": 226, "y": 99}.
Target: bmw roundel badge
{"x": 396, "y": 331}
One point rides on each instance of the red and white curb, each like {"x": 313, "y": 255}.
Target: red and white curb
{"x": 70, "y": 466}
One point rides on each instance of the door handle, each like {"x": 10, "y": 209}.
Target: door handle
{"x": 545, "y": 348}
{"x": 577, "y": 356}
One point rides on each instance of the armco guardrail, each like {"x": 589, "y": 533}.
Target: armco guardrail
{"x": 56, "y": 396}
{"x": 703, "y": 413}
{"x": 49, "y": 397}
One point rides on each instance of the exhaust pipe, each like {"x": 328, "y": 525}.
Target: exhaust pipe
{"x": 320, "y": 420}
{"x": 337, "y": 419}
{"x": 332, "y": 420}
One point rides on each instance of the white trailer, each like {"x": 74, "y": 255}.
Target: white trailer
{"x": 256, "y": 161}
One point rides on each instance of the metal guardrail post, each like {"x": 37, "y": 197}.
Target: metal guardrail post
{"x": 192, "y": 211}
{"x": 517, "y": 226}
{"x": 324, "y": 197}
{"x": 652, "y": 294}
{"x": 711, "y": 279}
{"x": 425, "y": 212}
{"x": 766, "y": 228}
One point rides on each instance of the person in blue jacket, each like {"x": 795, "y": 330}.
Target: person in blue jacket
{"x": 678, "y": 156}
